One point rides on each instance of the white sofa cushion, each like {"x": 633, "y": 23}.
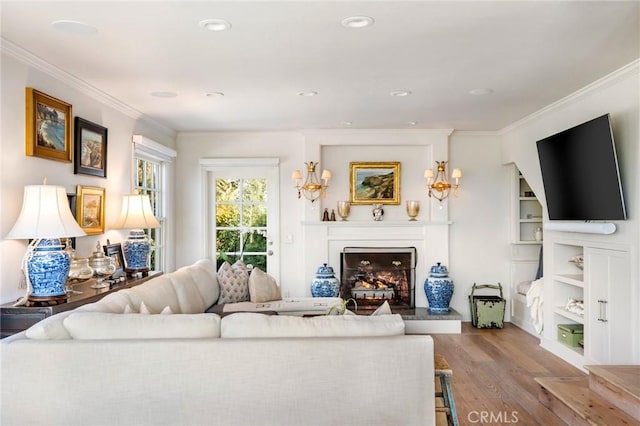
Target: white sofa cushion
{"x": 204, "y": 275}
{"x": 245, "y": 325}
{"x": 106, "y": 326}
{"x": 156, "y": 293}
{"x": 187, "y": 292}
{"x": 263, "y": 287}
{"x": 234, "y": 283}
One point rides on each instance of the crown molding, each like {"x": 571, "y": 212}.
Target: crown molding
{"x": 628, "y": 71}
{"x": 9, "y": 48}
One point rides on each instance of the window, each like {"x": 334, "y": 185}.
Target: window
{"x": 151, "y": 161}
{"x": 241, "y": 221}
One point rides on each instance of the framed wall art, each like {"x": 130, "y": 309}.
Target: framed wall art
{"x": 375, "y": 182}
{"x": 90, "y": 148}
{"x": 48, "y": 127}
{"x": 90, "y": 209}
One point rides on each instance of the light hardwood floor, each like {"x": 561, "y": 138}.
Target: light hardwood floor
{"x": 493, "y": 372}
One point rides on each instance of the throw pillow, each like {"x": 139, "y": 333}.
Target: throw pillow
{"x": 263, "y": 287}
{"x": 383, "y": 309}
{"x": 234, "y": 283}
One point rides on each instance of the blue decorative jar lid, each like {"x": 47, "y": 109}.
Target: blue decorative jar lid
{"x": 439, "y": 271}
{"x": 325, "y": 271}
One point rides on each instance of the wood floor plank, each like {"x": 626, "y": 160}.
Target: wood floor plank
{"x": 493, "y": 375}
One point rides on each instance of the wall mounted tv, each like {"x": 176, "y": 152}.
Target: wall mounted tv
{"x": 580, "y": 173}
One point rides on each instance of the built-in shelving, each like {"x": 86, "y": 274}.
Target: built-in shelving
{"x": 527, "y": 211}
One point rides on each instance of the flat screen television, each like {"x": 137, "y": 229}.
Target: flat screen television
{"x": 580, "y": 173}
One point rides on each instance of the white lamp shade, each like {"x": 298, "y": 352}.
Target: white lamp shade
{"x": 45, "y": 214}
{"x": 296, "y": 175}
{"x": 136, "y": 213}
{"x": 456, "y": 173}
{"x": 428, "y": 174}
{"x": 326, "y": 175}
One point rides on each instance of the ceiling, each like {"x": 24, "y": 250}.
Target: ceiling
{"x": 529, "y": 54}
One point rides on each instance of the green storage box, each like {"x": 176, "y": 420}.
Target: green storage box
{"x": 570, "y": 334}
{"x": 487, "y": 311}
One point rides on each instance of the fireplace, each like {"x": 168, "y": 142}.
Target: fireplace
{"x": 372, "y": 275}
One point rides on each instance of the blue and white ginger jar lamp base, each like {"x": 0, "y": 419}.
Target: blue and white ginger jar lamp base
{"x": 48, "y": 268}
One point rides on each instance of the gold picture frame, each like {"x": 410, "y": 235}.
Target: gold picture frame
{"x": 90, "y": 209}
{"x": 48, "y": 126}
{"x": 374, "y": 182}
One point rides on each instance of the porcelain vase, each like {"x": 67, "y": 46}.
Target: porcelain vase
{"x": 325, "y": 284}
{"x": 439, "y": 289}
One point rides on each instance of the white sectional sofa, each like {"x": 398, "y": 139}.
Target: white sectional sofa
{"x": 98, "y": 365}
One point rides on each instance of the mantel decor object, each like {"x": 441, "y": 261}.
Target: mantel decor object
{"x": 413, "y": 208}
{"x": 344, "y": 209}
{"x": 439, "y": 289}
{"x": 325, "y": 284}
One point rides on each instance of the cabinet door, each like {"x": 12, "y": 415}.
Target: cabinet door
{"x": 608, "y": 338}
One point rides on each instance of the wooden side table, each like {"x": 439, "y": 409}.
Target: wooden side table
{"x": 14, "y": 319}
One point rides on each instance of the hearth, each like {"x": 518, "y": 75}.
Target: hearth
{"x": 372, "y": 275}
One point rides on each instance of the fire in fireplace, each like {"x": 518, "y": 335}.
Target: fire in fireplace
{"x": 372, "y": 275}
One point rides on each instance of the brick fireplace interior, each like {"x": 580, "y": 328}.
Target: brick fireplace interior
{"x": 372, "y": 275}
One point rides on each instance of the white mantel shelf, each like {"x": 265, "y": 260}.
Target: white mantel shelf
{"x": 390, "y": 223}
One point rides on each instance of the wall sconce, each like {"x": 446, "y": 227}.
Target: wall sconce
{"x": 438, "y": 184}
{"x": 312, "y": 187}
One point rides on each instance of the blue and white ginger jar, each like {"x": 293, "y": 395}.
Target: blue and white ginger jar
{"x": 439, "y": 289}
{"x": 325, "y": 283}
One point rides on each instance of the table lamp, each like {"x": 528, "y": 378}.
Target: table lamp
{"x": 45, "y": 218}
{"x": 136, "y": 215}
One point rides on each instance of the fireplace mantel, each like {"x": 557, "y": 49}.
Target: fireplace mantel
{"x": 382, "y": 223}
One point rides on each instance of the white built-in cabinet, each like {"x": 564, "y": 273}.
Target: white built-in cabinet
{"x": 604, "y": 284}
{"x": 608, "y": 295}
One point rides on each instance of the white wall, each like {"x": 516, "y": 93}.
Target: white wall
{"x": 479, "y": 233}
{"x": 18, "y": 170}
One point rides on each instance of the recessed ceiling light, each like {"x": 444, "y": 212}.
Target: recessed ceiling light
{"x": 480, "y": 92}
{"x": 308, "y": 94}
{"x": 412, "y": 123}
{"x": 74, "y": 27}
{"x": 400, "y": 93}
{"x": 164, "y": 94}
{"x": 214, "y": 95}
{"x": 348, "y": 123}
{"x": 215, "y": 24}
{"x": 357, "y": 22}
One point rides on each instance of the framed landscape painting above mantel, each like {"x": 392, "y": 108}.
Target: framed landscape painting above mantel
{"x": 90, "y": 152}
{"x": 48, "y": 126}
{"x": 374, "y": 182}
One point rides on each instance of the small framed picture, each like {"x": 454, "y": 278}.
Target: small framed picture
{"x": 90, "y": 209}
{"x": 375, "y": 182}
{"x": 48, "y": 127}
{"x": 90, "y": 151}
{"x": 114, "y": 251}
